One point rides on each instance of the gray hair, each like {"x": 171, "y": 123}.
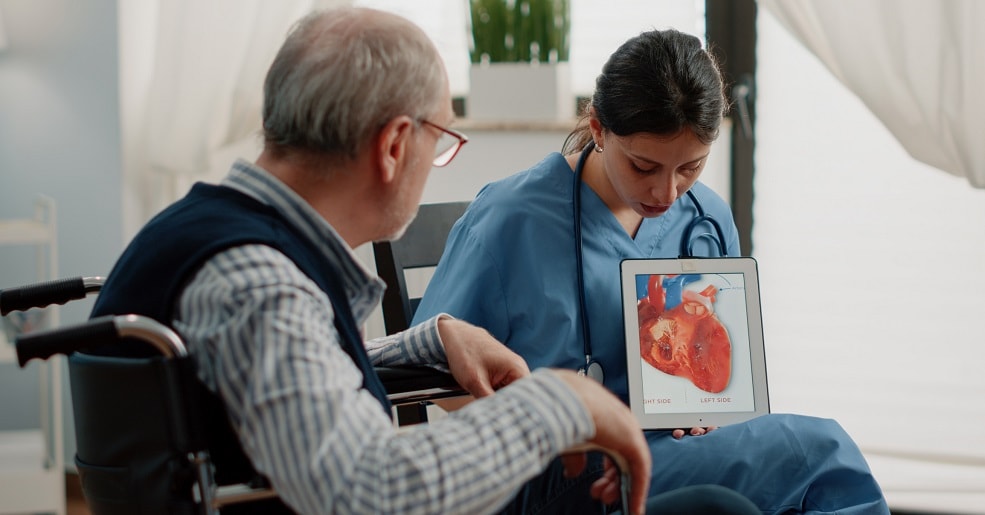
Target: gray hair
{"x": 344, "y": 73}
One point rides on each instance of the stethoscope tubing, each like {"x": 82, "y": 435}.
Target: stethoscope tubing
{"x": 576, "y": 204}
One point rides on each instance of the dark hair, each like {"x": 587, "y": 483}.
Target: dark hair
{"x": 659, "y": 82}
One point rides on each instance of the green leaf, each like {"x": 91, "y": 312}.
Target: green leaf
{"x": 519, "y": 30}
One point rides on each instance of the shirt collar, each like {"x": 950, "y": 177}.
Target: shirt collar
{"x": 363, "y": 288}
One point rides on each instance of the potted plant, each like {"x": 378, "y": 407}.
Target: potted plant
{"x": 519, "y": 52}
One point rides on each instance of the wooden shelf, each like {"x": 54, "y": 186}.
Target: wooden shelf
{"x": 27, "y": 483}
{"x": 7, "y": 354}
{"x": 24, "y": 232}
{"x": 467, "y": 124}
{"x": 32, "y": 465}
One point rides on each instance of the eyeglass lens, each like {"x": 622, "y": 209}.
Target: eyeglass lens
{"x": 445, "y": 149}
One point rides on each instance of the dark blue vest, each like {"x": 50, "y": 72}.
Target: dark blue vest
{"x": 150, "y": 275}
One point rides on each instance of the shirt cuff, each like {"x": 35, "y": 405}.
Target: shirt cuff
{"x": 435, "y": 347}
{"x": 556, "y": 409}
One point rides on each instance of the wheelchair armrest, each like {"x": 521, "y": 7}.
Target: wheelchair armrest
{"x": 417, "y": 383}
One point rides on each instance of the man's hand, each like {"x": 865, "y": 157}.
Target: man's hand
{"x": 617, "y": 430}
{"x": 479, "y": 362}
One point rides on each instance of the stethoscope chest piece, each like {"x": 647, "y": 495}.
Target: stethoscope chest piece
{"x": 593, "y": 371}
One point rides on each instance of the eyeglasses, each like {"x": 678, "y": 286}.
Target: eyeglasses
{"x": 449, "y": 143}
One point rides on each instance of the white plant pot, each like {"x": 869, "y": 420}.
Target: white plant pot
{"x": 520, "y": 91}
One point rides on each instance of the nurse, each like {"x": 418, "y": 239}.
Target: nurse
{"x": 510, "y": 266}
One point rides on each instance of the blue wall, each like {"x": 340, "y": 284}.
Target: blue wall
{"x": 59, "y": 136}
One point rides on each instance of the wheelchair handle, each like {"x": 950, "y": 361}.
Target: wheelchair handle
{"x": 39, "y": 295}
{"x": 98, "y": 332}
{"x": 65, "y": 340}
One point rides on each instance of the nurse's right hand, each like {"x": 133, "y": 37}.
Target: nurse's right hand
{"x": 617, "y": 430}
{"x": 695, "y": 431}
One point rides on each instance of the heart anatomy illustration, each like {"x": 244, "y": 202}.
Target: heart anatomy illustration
{"x": 687, "y": 340}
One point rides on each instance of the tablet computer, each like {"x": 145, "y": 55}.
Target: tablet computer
{"x": 694, "y": 341}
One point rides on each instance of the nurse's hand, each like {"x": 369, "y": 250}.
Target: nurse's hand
{"x": 478, "y": 362}
{"x": 695, "y": 431}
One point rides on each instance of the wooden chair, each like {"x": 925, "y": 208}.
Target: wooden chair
{"x": 419, "y": 248}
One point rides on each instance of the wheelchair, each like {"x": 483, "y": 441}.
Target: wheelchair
{"x": 150, "y": 437}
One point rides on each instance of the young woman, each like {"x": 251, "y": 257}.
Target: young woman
{"x": 632, "y": 169}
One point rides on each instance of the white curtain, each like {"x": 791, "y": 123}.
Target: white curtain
{"x": 191, "y": 87}
{"x": 871, "y": 266}
{"x": 919, "y": 66}
{"x": 3, "y": 34}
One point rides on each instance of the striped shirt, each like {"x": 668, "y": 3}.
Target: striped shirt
{"x": 262, "y": 335}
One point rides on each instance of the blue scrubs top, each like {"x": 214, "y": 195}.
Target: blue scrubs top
{"x": 509, "y": 266}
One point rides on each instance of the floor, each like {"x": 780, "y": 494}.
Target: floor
{"x": 74, "y": 501}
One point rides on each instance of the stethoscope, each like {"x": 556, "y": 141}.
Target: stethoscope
{"x": 593, "y": 368}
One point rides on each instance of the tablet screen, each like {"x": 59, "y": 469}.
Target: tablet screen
{"x": 694, "y": 342}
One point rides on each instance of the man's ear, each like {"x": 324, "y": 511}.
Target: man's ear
{"x": 393, "y": 146}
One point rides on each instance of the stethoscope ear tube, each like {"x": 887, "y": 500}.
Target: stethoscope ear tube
{"x": 686, "y": 240}
{"x": 590, "y": 365}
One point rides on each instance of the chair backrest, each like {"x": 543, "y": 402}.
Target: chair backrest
{"x": 144, "y": 426}
{"x": 421, "y": 246}
{"x": 132, "y": 432}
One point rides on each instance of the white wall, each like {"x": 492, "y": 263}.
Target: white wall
{"x": 873, "y": 268}
{"x": 59, "y": 136}
{"x": 597, "y": 29}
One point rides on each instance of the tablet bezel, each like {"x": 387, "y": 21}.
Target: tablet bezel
{"x": 747, "y": 266}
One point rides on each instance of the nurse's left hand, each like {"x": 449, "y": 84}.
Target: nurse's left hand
{"x": 695, "y": 431}
{"x": 479, "y": 362}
